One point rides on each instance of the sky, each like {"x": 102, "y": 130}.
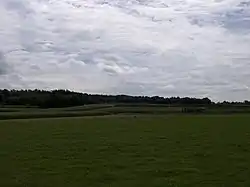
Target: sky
{"x": 195, "y": 48}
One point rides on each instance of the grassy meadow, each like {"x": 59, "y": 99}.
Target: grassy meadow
{"x": 27, "y": 112}
{"x": 160, "y": 151}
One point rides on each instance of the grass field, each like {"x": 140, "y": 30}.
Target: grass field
{"x": 24, "y": 112}
{"x": 126, "y": 151}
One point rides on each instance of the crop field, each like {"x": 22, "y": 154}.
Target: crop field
{"x": 159, "y": 151}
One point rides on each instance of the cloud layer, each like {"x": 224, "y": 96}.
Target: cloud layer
{"x": 150, "y": 47}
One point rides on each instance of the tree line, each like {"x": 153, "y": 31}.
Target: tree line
{"x": 66, "y": 98}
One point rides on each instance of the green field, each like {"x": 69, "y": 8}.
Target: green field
{"x": 24, "y": 112}
{"x": 175, "y": 150}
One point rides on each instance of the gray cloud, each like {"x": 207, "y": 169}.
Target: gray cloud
{"x": 161, "y": 47}
{"x": 3, "y": 65}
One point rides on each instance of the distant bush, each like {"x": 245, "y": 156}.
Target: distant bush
{"x": 193, "y": 110}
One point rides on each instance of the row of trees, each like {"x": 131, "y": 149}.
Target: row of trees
{"x": 66, "y": 98}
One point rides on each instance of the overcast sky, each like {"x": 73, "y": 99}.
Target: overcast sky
{"x": 197, "y": 48}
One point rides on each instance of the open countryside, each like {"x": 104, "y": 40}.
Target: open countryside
{"x": 125, "y": 144}
{"x": 124, "y": 93}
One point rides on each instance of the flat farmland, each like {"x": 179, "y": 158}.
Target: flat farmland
{"x": 174, "y": 150}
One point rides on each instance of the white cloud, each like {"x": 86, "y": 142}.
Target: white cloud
{"x": 161, "y": 47}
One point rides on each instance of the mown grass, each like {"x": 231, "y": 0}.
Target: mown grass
{"x": 126, "y": 151}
